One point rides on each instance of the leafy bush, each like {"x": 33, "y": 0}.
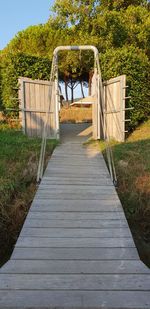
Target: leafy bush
{"x": 17, "y": 65}
{"x": 132, "y": 62}
{"x": 0, "y": 87}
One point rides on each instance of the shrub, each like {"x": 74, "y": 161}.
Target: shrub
{"x": 16, "y": 65}
{"x": 135, "y": 64}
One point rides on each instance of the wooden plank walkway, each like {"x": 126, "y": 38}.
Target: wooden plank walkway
{"x": 75, "y": 249}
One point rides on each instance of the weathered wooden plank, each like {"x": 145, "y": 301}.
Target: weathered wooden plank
{"x": 77, "y": 215}
{"x": 100, "y": 168}
{"x": 81, "y": 161}
{"x": 75, "y": 254}
{"x": 41, "y": 242}
{"x": 75, "y": 173}
{"x": 74, "y": 196}
{"x": 74, "y": 267}
{"x": 42, "y": 207}
{"x": 50, "y": 176}
{"x": 77, "y": 149}
{"x": 77, "y": 188}
{"x": 94, "y": 167}
{"x": 74, "y": 180}
{"x": 76, "y": 161}
{"x": 103, "y": 282}
{"x": 75, "y": 232}
{"x": 74, "y": 299}
{"x": 82, "y": 205}
{"x": 82, "y": 157}
{"x": 70, "y": 165}
{"x": 75, "y": 224}
{"x": 64, "y": 174}
{"x": 76, "y": 205}
{"x": 82, "y": 170}
{"x": 75, "y": 152}
{"x": 73, "y": 156}
{"x": 47, "y": 207}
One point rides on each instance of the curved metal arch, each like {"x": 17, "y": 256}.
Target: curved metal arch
{"x": 80, "y": 47}
{"x": 55, "y": 64}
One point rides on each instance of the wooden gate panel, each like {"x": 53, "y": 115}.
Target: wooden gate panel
{"x": 114, "y": 109}
{"x": 34, "y": 103}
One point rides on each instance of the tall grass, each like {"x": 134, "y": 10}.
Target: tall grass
{"x": 19, "y": 157}
{"x": 132, "y": 161}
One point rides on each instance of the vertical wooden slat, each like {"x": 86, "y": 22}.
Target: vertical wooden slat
{"x": 38, "y": 107}
{"x": 20, "y": 104}
{"x": 119, "y": 115}
{"x": 122, "y": 104}
{"x": 53, "y": 103}
{"x": 33, "y": 118}
{"x": 42, "y": 107}
{"x": 50, "y": 106}
{"x": 46, "y": 105}
{"x": 115, "y": 115}
{"x": 27, "y": 107}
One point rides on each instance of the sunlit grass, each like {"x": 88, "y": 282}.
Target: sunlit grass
{"x": 75, "y": 114}
{"x": 132, "y": 162}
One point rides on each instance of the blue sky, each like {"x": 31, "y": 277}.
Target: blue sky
{"x": 16, "y": 15}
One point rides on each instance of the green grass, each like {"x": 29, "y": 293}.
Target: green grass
{"x": 132, "y": 162}
{"x": 19, "y": 157}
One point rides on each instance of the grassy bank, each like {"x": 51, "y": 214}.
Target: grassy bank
{"x": 132, "y": 161}
{"x": 19, "y": 157}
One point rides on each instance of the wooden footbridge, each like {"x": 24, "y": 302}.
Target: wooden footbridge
{"x": 75, "y": 249}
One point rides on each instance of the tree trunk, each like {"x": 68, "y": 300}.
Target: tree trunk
{"x": 82, "y": 91}
{"x": 72, "y": 98}
{"x": 90, "y": 82}
{"x": 66, "y": 91}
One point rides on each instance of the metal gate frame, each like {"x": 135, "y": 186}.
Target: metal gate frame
{"x": 100, "y": 131}
{"x": 100, "y": 99}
